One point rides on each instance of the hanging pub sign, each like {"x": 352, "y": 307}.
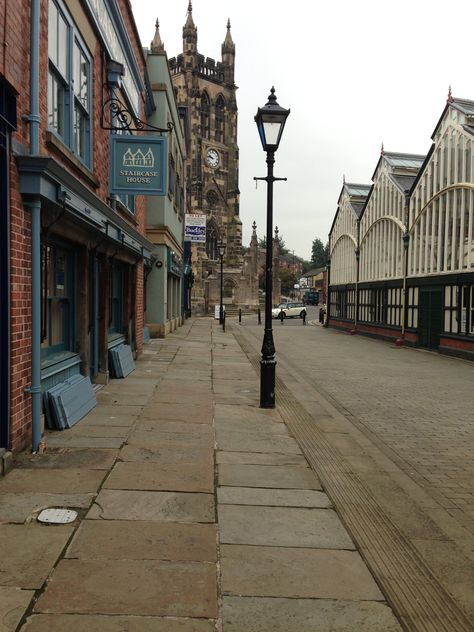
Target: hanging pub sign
{"x": 195, "y": 227}
{"x": 138, "y": 165}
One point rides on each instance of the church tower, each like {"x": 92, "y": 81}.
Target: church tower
{"x": 206, "y": 89}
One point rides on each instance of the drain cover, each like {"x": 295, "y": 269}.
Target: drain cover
{"x": 57, "y": 516}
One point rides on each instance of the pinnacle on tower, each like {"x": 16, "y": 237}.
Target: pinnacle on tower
{"x": 189, "y": 20}
{"x": 450, "y": 95}
{"x": 228, "y": 46}
{"x": 157, "y": 45}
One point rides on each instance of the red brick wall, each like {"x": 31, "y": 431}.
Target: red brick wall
{"x": 14, "y": 66}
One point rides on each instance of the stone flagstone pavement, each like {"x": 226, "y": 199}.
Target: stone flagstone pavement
{"x": 197, "y": 512}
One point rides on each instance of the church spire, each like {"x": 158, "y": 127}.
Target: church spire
{"x": 190, "y": 37}
{"x": 189, "y": 20}
{"x": 228, "y": 46}
{"x": 157, "y": 45}
{"x": 450, "y": 95}
{"x": 228, "y": 55}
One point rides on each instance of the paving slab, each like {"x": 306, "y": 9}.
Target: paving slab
{"x": 300, "y": 573}
{"x": 89, "y": 430}
{"x": 19, "y": 508}
{"x": 168, "y": 454}
{"x": 184, "y": 477}
{"x": 123, "y": 420}
{"x": 13, "y": 605}
{"x": 240, "y": 442}
{"x": 48, "y": 481}
{"x": 116, "y": 398}
{"x": 122, "y": 539}
{"x": 272, "y": 497}
{"x": 110, "y": 412}
{"x": 193, "y": 395}
{"x": 260, "y": 458}
{"x": 194, "y": 375}
{"x": 278, "y": 476}
{"x": 186, "y": 428}
{"x": 67, "y": 458}
{"x": 104, "y": 623}
{"x": 29, "y": 552}
{"x": 263, "y": 614}
{"x": 65, "y": 440}
{"x": 188, "y": 412}
{"x": 140, "y": 587}
{"x": 138, "y": 505}
{"x": 148, "y": 436}
{"x": 282, "y": 526}
{"x": 251, "y": 414}
{"x": 251, "y": 427}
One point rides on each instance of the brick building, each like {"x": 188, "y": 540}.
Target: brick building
{"x": 73, "y": 255}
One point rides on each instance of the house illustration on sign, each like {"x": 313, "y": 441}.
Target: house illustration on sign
{"x": 138, "y": 158}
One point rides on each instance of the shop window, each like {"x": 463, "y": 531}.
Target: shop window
{"x": 69, "y": 82}
{"x": 57, "y": 299}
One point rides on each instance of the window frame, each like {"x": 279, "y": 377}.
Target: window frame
{"x": 49, "y": 271}
{"x": 72, "y": 103}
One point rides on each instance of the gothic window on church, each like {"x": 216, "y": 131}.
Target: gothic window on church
{"x": 212, "y": 198}
{"x": 212, "y": 237}
{"x": 220, "y": 120}
{"x": 205, "y": 116}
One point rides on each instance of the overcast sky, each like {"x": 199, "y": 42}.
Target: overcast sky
{"x": 355, "y": 74}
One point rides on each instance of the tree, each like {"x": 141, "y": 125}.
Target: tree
{"x": 262, "y": 243}
{"x": 319, "y": 256}
{"x": 288, "y": 279}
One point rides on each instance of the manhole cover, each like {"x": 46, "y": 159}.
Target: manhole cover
{"x": 57, "y": 516}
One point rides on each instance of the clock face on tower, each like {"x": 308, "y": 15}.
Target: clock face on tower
{"x": 212, "y": 157}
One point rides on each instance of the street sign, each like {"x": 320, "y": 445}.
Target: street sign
{"x": 137, "y": 165}
{"x": 195, "y": 228}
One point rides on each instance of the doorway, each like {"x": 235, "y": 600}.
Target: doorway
{"x": 430, "y": 317}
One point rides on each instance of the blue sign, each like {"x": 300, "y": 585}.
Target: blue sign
{"x": 138, "y": 164}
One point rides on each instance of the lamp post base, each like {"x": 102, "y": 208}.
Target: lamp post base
{"x": 267, "y": 383}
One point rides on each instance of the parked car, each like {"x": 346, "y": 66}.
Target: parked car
{"x": 289, "y": 310}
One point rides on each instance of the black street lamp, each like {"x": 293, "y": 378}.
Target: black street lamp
{"x": 221, "y": 250}
{"x": 270, "y": 121}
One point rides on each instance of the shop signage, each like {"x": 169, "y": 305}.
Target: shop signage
{"x": 195, "y": 227}
{"x": 137, "y": 165}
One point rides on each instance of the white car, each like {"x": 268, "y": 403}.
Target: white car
{"x": 289, "y": 310}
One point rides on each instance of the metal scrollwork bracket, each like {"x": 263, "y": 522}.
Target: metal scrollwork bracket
{"x": 117, "y": 117}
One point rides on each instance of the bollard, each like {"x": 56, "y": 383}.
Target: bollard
{"x": 304, "y": 318}
{"x": 240, "y": 316}
{"x": 259, "y": 316}
{"x": 282, "y": 316}
{"x": 223, "y": 321}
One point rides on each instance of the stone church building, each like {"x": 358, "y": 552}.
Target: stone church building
{"x": 205, "y": 88}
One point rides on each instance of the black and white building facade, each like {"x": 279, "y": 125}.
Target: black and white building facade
{"x": 402, "y": 249}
